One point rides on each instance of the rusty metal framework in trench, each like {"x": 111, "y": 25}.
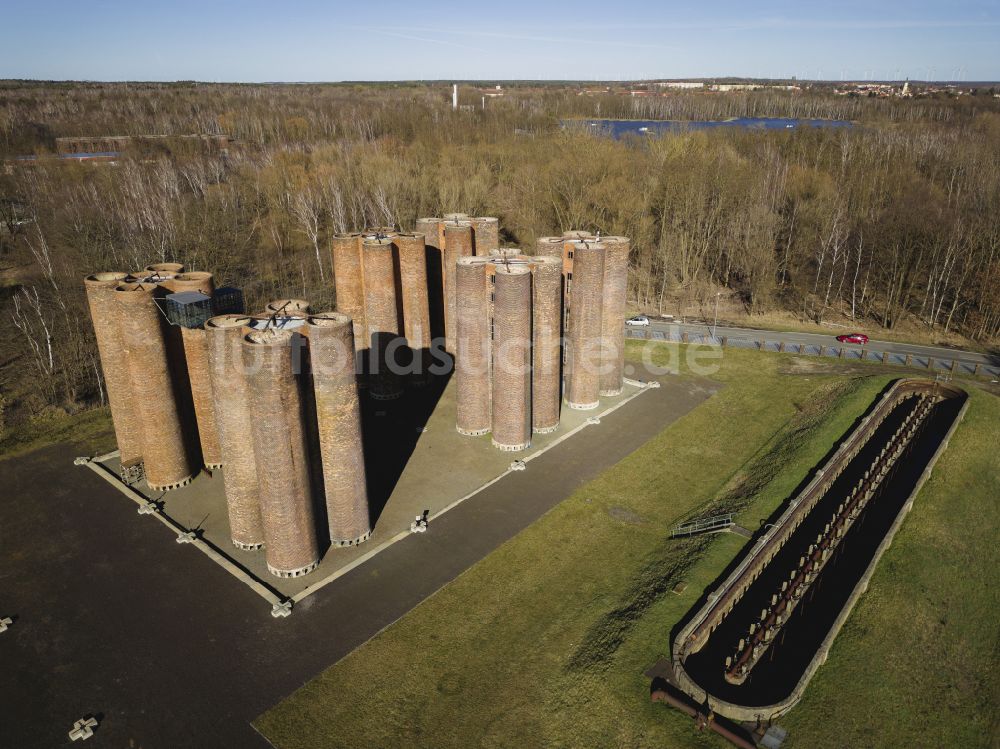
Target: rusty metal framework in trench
{"x": 763, "y": 632}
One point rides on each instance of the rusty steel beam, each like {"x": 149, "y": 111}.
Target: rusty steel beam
{"x": 763, "y": 632}
{"x": 701, "y": 719}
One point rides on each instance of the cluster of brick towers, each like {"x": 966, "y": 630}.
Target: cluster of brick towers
{"x": 273, "y": 399}
{"x": 512, "y": 311}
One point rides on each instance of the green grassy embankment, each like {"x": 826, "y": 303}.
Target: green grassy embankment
{"x": 91, "y": 430}
{"x": 543, "y": 643}
{"x": 915, "y": 665}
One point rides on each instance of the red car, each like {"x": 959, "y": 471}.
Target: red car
{"x": 853, "y": 338}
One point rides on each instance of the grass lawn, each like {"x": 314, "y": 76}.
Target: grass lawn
{"x": 543, "y": 643}
{"x": 91, "y": 430}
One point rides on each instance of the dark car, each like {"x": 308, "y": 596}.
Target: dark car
{"x": 853, "y": 338}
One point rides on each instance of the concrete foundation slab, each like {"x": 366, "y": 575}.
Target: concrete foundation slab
{"x": 442, "y": 469}
{"x": 108, "y": 609}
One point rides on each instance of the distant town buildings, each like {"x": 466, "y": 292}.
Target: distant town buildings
{"x": 736, "y": 87}
{"x": 667, "y": 88}
{"x": 906, "y": 91}
{"x": 680, "y": 84}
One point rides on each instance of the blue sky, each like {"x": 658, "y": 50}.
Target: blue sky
{"x": 221, "y": 40}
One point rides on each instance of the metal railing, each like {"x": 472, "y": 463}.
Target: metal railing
{"x": 703, "y": 525}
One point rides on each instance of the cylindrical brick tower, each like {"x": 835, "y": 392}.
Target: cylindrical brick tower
{"x": 546, "y": 374}
{"x": 288, "y": 308}
{"x": 511, "y": 406}
{"x": 569, "y": 240}
{"x": 192, "y": 281}
{"x": 196, "y": 356}
{"x": 348, "y": 275}
{"x": 549, "y": 246}
{"x": 172, "y": 268}
{"x": 169, "y": 461}
{"x": 412, "y": 256}
{"x": 338, "y": 414}
{"x": 613, "y": 314}
{"x": 584, "y": 355}
{"x": 114, "y": 363}
{"x": 382, "y": 316}
{"x": 234, "y": 422}
{"x": 457, "y": 243}
{"x": 472, "y": 356}
{"x": 485, "y": 234}
{"x": 501, "y": 253}
{"x": 189, "y": 391}
{"x": 149, "y": 276}
{"x": 281, "y": 452}
{"x": 433, "y": 231}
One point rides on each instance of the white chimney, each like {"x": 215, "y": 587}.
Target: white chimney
{"x": 454, "y": 96}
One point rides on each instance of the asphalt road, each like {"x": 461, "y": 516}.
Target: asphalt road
{"x": 112, "y": 617}
{"x": 898, "y": 351}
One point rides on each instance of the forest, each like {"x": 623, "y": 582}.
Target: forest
{"x": 893, "y": 221}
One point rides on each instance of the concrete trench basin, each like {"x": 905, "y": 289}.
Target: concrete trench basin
{"x": 706, "y": 650}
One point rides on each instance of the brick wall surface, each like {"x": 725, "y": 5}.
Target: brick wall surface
{"x": 338, "y": 413}
{"x": 108, "y": 330}
{"x": 511, "y": 354}
{"x": 382, "y": 314}
{"x": 457, "y": 243}
{"x": 224, "y": 336}
{"x": 584, "y": 325}
{"x": 196, "y": 361}
{"x": 413, "y": 276}
{"x": 158, "y": 387}
{"x": 485, "y": 234}
{"x": 569, "y": 240}
{"x": 472, "y": 357}
{"x": 549, "y": 246}
{"x": 546, "y": 398}
{"x": 613, "y": 314}
{"x": 192, "y": 281}
{"x": 196, "y": 357}
{"x": 433, "y": 230}
{"x": 281, "y": 452}
{"x": 349, "y": 282}
{"x": 412, "y": 254}
{"x": 287, "y": 307}
{"x": 165, "y": 268}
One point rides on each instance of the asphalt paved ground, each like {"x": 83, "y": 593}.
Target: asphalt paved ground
{"x": 114, "y": 618}
{"x": 749, "y": 337}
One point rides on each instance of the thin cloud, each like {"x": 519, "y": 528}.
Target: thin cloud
{"x": 399, "y": 35}
{"x": 591, "y": 40}
{"x": 794, "y": 23}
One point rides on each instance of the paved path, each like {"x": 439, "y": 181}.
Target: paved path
{"x": 114, "y": 617}
{"x": 750, "y": 336}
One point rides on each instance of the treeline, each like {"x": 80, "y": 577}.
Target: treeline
{"x": 879, "y": 223}
{"x": 32, "y": 116}
{"x": 776, "y": 103}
